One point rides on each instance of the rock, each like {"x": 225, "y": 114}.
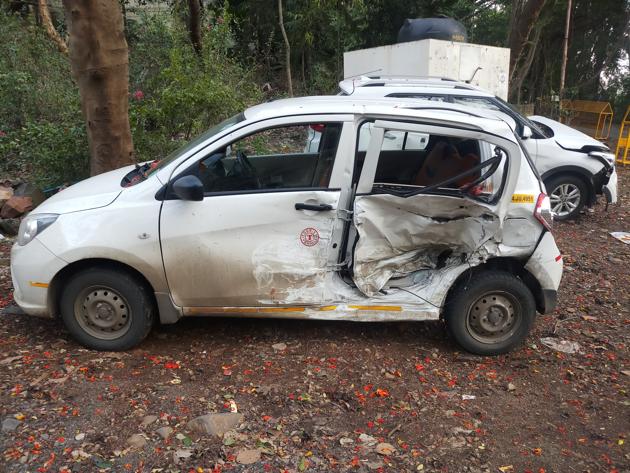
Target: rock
{"x": 565, "y": 346}
{"x": 511, "y": 387}
{"x": 148, "y": 420}
{"x": 6, "y": 193}
{"x": 367, "y": 440}
{"x": 164, "y": 432}
{"x": 215, "y": 424}
{"x": 181, "y": 454}
{"x": 385, "y": 448}
{"x": 10, "y": 424}
{"x": 26, "y": 189}
{"x": 279, "y": 346}
{"x": 16, "y": 206}
{"x": 79, "y": 436}
{"x": 457, "y": 442}
{"x": 343, "y": 441}
{"x": 247, "y": 457}
{"x": 137, "y": 441}
{"x": 10, "y": 226}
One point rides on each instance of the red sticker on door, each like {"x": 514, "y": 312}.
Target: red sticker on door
{"x": 309, "y": 237}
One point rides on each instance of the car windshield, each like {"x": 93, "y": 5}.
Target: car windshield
{"x": 526, "y": 121}
{"x": 224, "y": 125}
{"x": 140, "y": 173}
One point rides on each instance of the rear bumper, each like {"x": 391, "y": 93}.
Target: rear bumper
{"x": 549, "y": 301}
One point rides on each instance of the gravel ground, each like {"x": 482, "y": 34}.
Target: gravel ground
{"x": 323, "y": 396}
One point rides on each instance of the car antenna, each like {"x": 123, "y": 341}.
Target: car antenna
{"x": 361, "y": 74}
{"x": 479, "y": 68}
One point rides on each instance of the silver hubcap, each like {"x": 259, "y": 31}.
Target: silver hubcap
{"x": 102, "y": 312}
{"x": 493, "y": 318}
{"x": 564, "y": 199}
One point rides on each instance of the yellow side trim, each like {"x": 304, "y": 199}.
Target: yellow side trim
{"x": 386, "y": 308}
{"x": 39, "y": 284}
{"x": 240, "y": 310}
{"x": 522, "y": 198}
{"x": 327, "y": 308}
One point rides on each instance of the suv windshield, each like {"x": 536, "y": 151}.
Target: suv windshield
{"x": 142, "y": 172}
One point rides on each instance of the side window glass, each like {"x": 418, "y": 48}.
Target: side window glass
{"x": 445, "y": 164}
{"x": 287, "y": 157}
{"x": 393, "y": 139}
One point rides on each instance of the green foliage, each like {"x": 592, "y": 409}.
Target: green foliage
{"x": 187, "y": 93}
{"x": 52, "y": 153}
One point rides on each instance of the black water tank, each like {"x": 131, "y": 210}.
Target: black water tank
{"x": 432, "y": 28}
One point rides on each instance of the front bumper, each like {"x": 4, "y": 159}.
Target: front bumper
{"x": 33, "y": 267}
{"x": 610, "y": 188}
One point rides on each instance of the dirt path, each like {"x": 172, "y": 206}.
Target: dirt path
{"x": 322, "y": 396}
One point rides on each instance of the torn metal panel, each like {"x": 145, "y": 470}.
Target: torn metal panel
{"x": 398, "y": 236}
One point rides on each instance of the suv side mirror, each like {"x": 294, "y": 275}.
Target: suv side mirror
{"x": 188, "y": 188}
{"x": 526, "y": 133}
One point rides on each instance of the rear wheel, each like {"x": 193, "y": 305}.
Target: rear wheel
{"x": 491, "y": 313}
{"x": 568, "y": 195}
{"x": 106, "y": 309}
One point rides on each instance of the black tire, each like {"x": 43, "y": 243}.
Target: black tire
{"x": 556, "y": 192}
{"x": 118, "y": 301}
{"x": 513, "y": 308}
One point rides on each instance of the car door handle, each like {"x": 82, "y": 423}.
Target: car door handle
{"x": 316, "y": 207}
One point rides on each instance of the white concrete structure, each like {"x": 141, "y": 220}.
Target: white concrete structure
{"x": 433, "y": 57}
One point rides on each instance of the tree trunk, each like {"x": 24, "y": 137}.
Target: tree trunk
{"x": 287, "y": 48}
{"x": 524, "y": 16}
{"x": 194, "y": 24}
{"x": 99, "y": 60}
{"x": 565, "y": 50}
{"x": 53, "y": 34}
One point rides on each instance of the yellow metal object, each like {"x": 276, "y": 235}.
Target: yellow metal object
{"x": 589, "y": 116}
{"x": 383, "y": 308}
{"x": 623, "y": 142}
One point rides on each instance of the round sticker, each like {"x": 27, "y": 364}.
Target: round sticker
{"x": 309, "y": 237}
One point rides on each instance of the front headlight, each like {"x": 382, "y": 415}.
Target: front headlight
{"x": 608, "y": 158}
{"x": 33, "y": 225}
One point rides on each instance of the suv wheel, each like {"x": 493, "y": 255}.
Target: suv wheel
{"x": 491, "y": 313}
{"x": 568, "y": 195}
{"x": 106, "y": 309}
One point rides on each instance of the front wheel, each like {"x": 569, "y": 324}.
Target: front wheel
{"x": 568, "y": 196}
{"x": 106, "y": 309}
{"x": 491, "y": 313}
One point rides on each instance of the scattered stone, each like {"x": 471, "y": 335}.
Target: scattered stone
{"x": 385, "y": 448}
{"x": 457, "y": 442}
{"x": 511, "y": 387}
{"x": 247, "y": 457}
{"x": 148, "y": 420}
{"x": 79, "y": 436}
{"x": 6, "y": 193}
{"x": 279, "y": 347}
{"x": 367, "y": 440}
{"x": 137, "y": 441}
{"x": 181, "y": 454}
{"x": 626, "y": 372}
{"x": 10, "y": 424}
{"x": 343, "y": 441}
{"x": 16, "y": 206}
{"x": 164, "y": 432}
{"x": 215, "y": 424}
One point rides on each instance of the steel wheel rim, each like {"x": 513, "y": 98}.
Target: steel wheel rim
{"x": 493, "y": 317}
{"x": 565, "y": 198}
{"x": 102, "y": 312}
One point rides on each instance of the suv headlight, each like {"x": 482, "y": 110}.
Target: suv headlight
{"x": 33, "y": 225}
{"x": 603, "y": 155}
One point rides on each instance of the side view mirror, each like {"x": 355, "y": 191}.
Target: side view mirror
{"x": 188, "y": 188}
{"x": 526, "y": 133}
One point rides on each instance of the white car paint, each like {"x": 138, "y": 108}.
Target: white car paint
{"x": 244, "y": 252}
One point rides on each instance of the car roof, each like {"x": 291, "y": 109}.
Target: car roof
{"x": 364, "y": 85}
{"x": 410, "y": 108}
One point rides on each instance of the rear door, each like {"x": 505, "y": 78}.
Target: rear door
{"x": 444, "y": 205}
{"x": 265, "y": 231}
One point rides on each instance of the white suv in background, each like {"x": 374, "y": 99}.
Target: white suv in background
{"x": 574, "y": 167}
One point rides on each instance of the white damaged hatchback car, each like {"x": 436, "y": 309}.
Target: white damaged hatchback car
{"x": 247, "y": 220}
